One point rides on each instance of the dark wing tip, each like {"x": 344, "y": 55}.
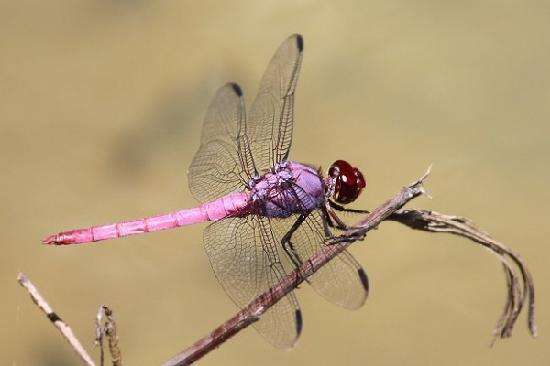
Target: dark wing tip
{"x": 364, "y": 279}
{"x": 236, "y": 88}
{"x": 300, "y": 42}
{"x": 299, "y": 322}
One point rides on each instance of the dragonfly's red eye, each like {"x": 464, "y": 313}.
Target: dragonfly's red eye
{"x": 349, "y": 182}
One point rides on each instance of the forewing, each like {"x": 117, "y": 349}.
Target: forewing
{"x": 245, "y": 259}
{"x": 341, "y": 281}
{"x": 272, "y": 113}
{"x": 223, "y": 162}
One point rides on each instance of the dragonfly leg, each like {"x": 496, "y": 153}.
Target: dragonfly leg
{"x": 288, "y": 247}
{"x": 338, "y": 207}
{"x": 291, "y": 252}
{"x": 333, "y": 219}
{"x": 286, "y": 241}
{"x": 327, "y": 224}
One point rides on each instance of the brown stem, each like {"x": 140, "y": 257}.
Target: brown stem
{"x": 106, "y": 327}
{"x": 520, "y": 288}
{"x": 63, "y": 328}
{"x": 258, "y": 306}
{"x": 517, "y": 295}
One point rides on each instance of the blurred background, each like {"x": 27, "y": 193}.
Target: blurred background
{"x": 101, "y": 107}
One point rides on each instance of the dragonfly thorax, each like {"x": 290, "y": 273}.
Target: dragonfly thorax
{"x": 288, "y": 188}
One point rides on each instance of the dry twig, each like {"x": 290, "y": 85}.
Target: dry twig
{"x": 106, "y": 327}
{"x": 520, "y": 289}
{"x": 516, "y": 297}
{"x": 258, "y": 306}
{"x": 416, "y": 219}
{"x": 65, "y": 330}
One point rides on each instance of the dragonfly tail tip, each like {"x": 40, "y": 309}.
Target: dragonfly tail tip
{"x": 51, "y": 240}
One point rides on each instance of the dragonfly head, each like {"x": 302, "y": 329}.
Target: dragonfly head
{"x": 347, "y": 181}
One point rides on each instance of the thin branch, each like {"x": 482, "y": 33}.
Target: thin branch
{"x": 517, "y": 295}
{"x": 106, "y": 327}
{"x": 520, "y": 288}
{"x": 258, "y": 306}
{"x": 65, "y": 330}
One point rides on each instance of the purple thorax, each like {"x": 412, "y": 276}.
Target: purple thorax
{"x": 288, "y": 188}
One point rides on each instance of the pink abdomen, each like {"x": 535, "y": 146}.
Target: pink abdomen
{"x": 233, "y": 204}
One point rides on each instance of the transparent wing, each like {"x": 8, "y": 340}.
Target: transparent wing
{"x": 245, "y": 259}
{"x": 341, "y": 281}
{"x": 272, "y": 113}
{"x": 223, "y": 162}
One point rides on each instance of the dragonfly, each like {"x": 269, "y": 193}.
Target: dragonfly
{"x": 268, "y": 214}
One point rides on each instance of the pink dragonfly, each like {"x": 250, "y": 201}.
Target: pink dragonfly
{"x": 268, "y": 213}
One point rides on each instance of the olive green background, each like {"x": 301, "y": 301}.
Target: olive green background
{"x": 101, "y": 106}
